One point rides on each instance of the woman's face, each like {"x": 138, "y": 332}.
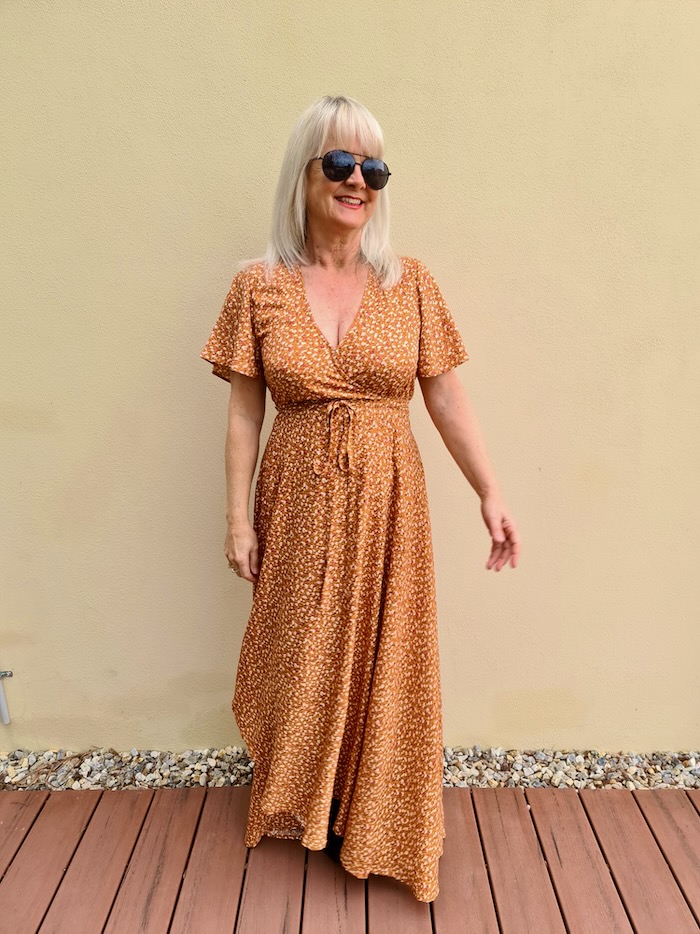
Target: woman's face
{"x": 339, "y": 207}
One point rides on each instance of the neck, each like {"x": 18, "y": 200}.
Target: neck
{"x": 330, "y": 250}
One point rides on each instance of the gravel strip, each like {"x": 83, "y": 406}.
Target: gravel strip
{"x": 60, "y": 769}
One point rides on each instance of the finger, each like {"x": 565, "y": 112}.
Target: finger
{"x": 254, "y": 561}
{"x": 504, "y": 555}
{"x": 252, "y": 570}
{"x": 237, "y": 563}
{"x": 503, "y": 560}
{"x": 511, "y": 554}
{"x": 514, "y": 553}
{"x": 514, "y": 546}
{"x": 496, "y": 550}
{"x": 508, "y": 551}
{"x": 510, "y": 547}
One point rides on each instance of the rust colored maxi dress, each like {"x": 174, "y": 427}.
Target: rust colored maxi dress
{"x": 338, "y": 685}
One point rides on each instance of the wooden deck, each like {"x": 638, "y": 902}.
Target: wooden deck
{"x": 516, "y": 861}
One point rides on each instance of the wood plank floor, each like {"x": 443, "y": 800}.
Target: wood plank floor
{"x": 516, "y": 861}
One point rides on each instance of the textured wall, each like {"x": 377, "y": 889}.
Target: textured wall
{"x": 545, "y": 161}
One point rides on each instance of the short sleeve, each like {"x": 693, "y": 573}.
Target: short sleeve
{"x": 441, "y": 347}
{"x": 233, "y": 343}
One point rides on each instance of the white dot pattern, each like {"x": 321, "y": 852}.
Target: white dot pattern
{"x": 338, "y": 685}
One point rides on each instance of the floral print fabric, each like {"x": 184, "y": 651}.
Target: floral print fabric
{"x": 338, "y": 685}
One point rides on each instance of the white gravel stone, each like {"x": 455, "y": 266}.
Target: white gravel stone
{"x": 59, "y": 769}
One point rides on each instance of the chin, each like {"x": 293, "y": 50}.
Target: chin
{"x": 353, "y": 221}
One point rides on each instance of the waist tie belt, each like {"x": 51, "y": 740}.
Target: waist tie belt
{"x": 340, "y": 416}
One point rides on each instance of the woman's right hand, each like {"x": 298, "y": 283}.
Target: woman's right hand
{"x": 241, "y": 550}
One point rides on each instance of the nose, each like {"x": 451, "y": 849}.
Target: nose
{"x": 356, "y": 178}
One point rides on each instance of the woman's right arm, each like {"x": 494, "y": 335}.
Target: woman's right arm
{"x": 246, "y": 413}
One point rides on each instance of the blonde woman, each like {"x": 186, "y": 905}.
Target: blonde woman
{"x": 337, "y": 692}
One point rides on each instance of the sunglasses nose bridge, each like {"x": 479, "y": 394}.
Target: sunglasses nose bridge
{"x": 356, "y": 176}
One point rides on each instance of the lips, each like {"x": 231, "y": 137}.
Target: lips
{"x": 350, "y": 200}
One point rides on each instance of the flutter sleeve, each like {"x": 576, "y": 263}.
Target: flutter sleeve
{"x": 441, "y": 347}
{"x": 233, "y": 343}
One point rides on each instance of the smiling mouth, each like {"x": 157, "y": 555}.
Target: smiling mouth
{"x": 347, "y": 199}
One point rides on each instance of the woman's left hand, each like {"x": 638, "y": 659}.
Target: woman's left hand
{"x": 504, "y": 533}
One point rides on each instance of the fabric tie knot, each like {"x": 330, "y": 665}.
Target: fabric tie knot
{"x": 340, "y": 417}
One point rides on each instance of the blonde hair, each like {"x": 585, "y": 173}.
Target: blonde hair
{"x": 329, "y": 118}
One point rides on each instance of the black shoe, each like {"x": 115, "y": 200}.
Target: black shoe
{"x": 333, "y": 848}
{"x": 335, "y": 841}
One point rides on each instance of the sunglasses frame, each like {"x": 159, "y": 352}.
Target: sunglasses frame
{"x": 361, "y": 165}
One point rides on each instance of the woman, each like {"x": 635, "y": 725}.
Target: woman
{"x": 337, "y": 692}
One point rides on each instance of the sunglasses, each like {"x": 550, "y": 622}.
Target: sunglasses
{"x": 338, "y": 165}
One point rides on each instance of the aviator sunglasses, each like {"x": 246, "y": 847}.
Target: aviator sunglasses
{"x": 338, "y": 165}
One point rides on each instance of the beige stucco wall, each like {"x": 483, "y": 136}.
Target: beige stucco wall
{"x": 545, "y": 160}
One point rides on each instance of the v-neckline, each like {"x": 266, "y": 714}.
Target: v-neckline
{"x": 307, "y": 305}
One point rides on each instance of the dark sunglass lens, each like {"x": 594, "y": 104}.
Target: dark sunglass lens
{"x": 375, "y": 173}
{"x": 338, "y": 165}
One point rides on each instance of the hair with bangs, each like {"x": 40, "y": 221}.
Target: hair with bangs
{"x": 337, "y": 119}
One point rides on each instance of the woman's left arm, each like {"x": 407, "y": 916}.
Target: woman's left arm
{"x": 454, "y": 417}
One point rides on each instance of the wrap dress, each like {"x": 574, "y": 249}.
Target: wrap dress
{"x": 337, "y": 691}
